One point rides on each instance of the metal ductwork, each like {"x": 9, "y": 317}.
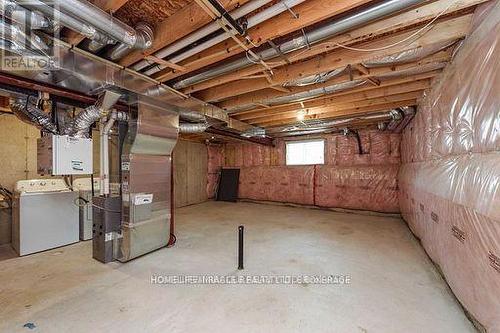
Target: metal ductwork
{"x": 199, "y": 34}
{"x": 315, "y": 79}
{"x": 252, "y": 21}
{"x": 192, "y": 116}
{"x": 15, "y": 41}
{"x": 255, "y": 132}
{"x": 145, "y": 37}
{"x": 317, "y": 126}
{"x": 21, "y": 15}
{"x": 26, "y": 109}
{"x": 364, "y": 17}
{"x": 409, "y": 55}
{"x": 80, "y": 26}
{"x": 102, "y": 21}
{"x": 80, "y": 126}
{"x": 301, "y": 96}
{"x": 401, "y": 117}
{"x": 146, "y": 178}
{"x": 190, "y": 128}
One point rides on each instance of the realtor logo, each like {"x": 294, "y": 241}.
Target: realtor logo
{"x": 26, "y": 36}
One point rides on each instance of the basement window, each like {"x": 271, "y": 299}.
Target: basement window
{"x": 305, "y": 152}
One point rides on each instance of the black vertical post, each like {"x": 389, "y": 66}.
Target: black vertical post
{"x": 241, "y": 229}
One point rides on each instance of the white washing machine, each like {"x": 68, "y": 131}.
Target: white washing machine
{"x": 45, "y": 215}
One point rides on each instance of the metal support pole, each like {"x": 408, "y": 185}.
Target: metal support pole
{"x": 241, "y": 229}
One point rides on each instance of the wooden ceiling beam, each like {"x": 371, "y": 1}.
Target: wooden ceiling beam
{"x": 415, "y": 17}
{"x": 443, "y": 31}
{"x": 379, "y": 92}
{"x": 163, "y": 62}
{"x": 440, "y": 58}
{"x": 342, "y": 113}
{"x": 309, "y": 12}
{"x": 185, "y": 21}
{"x": 311, "y": 112}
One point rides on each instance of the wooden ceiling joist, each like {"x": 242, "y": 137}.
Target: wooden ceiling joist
{"x": 444, "y": 31}
{"x": 378, "y": 92}
{"x": 309, "y": 12}
{"x": 253, "y": 88}
{"x": 163, "y": 62}
{"x": 262, "y": 95}
{"x": 413, "y": 18}
{"x": 109, "y": 6}
{"x": 341, "y": 106}
{"x": 334, "y": 113}
{"x": 187, "y": 20}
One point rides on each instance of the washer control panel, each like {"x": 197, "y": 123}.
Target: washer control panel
{"x": 41, "y": 185}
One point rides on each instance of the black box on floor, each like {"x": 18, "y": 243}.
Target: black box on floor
{"x": 228, "y": 185}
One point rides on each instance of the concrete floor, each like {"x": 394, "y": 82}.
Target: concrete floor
{"x": 394, "y": 287}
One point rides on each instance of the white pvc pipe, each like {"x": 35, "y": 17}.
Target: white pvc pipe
{"x": 105, "y": 137}
{"x": 102, "y": 157}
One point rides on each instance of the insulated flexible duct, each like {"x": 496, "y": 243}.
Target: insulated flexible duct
{"x": 26, "y": 109}
{"x": 316, "y": 126}
{"x": 80, "y": 126}
{"x": 187, "y": 128}
{"x": 336, "y": 27}
{"x": 193, "y": 116}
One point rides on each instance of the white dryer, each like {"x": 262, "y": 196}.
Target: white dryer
{"x": 45, "y": 215}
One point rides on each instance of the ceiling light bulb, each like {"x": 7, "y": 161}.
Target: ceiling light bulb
{"x": 301, "y": 115}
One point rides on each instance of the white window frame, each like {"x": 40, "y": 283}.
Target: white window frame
{"x": 287, "y": 143}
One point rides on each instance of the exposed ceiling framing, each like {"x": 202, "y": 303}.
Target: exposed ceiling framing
{"x": 252, "y": 95}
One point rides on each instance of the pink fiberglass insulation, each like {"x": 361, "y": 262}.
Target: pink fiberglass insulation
{"x": 372, "y": 188}
{"x": 278, "y": 183}
{"x": 450, "y": 177}
{"x": 348, "y": 179}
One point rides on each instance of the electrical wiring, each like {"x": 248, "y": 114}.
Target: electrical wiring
{"x": 418, "y": 34}
{"x": 415, "y": 36}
